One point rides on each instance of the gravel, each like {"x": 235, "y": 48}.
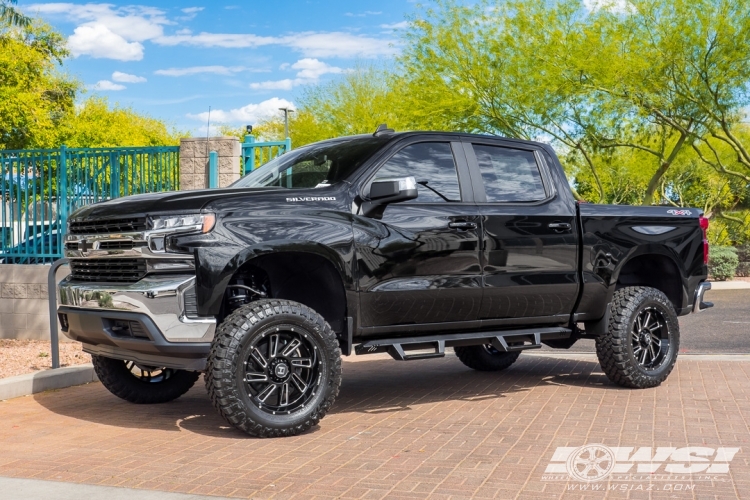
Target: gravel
{"x": 18, "y": 357}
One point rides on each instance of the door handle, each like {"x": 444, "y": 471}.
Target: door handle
{"x": 559, "y": 227}
{"x": 462, "y": 225}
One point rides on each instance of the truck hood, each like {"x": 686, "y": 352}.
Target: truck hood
{"x": 169, "y": 202}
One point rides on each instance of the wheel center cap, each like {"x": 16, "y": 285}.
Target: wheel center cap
{"x": 645, "y": 337}
{"x": 281, "y": 370}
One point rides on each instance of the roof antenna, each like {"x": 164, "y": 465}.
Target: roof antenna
{"x": 382, "y": 130}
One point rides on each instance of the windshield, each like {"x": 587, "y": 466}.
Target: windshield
{"x": 316, "y": 165}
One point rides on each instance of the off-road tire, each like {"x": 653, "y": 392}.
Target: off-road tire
{"x": 615, "y": 349}
{"x": 485, "y": 358}
{"x": 120, "y": 381}
{"x": 225, "y": 378}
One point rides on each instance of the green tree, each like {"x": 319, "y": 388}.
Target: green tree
{"x": 9, "y": 15}
{"x": 35, "y": 97}
{"x": 96, "y": 123}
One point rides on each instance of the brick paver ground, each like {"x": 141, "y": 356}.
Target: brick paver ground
{"x": 422, "y": 429}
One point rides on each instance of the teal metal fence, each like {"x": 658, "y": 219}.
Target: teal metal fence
{"x": 39, "y": 188}
{"x": 255, "y": 154}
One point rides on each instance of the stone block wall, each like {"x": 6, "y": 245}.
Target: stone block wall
{"x": 194, "y": 161}
{"x": 24, "y": 304}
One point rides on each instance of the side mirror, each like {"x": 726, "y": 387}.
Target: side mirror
{"x": 385, "y": 191}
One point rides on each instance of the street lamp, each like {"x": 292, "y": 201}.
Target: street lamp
{"x": 286, "y": 120}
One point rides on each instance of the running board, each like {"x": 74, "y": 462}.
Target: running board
{"x": 504, "y": 341}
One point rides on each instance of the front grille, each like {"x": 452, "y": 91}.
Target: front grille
{"x": 120, "y": 245}
{"x": 106, "y": 226}
{"x": 108, "y": 270}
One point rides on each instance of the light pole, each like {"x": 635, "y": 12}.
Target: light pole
{"x": 286, "y": 121}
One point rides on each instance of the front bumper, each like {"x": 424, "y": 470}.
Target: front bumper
{"x": 144, "y": 321}
{"x": 698, "y": 304}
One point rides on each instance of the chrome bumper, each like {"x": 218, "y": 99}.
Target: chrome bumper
{"x": 698, "y": 304}
{"x": 161, "y": 299}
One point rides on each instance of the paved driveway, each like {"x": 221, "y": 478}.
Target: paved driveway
{"x": 417, "y": 429}
{"x": 725, "y": 328}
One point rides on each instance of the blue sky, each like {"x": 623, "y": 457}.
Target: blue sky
{"x": 245, "y": 59}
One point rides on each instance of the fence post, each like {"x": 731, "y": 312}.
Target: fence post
{"x": 213, "y": 169}
{"x": 248, "y": 153}
{"x": 62, "y": 194}
{"x": 287, "y": 144}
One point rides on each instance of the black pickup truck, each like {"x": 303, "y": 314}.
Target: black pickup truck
{"x": 398, "y": 243}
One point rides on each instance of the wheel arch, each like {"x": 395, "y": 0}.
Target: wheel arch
{"x": 310, "y": 273}
{"x": 654, "y": 266}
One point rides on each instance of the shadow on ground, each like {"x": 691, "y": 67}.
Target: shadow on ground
{"x": 372, "y": 386}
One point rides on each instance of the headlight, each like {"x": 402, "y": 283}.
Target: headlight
{"x": 163, "y": 227}
{"x": 183, "y": 223}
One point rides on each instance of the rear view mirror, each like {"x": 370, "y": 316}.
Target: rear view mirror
{"x": 392, "y": 190}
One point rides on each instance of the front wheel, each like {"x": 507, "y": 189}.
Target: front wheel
{"x": 142, "y": 384}
{"x": 640, "y": 348}
{"x": 274, "y": 368}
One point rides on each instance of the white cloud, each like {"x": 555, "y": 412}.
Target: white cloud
{"x": 395, "y": 26}
{"x": 106, "y": 31}
{"x": 312, "y": 69}
{"x": 340, "y": 44}
{"x": 252, "y": 113}
{"x": 192, "y": 10}
{"x": 97, "y": 41}
{"x": 196, "y": 70}
{"x": 127, "y": 78}
{"x": 364, "y": 14}
{"x": 107, "y": 85}
{"x": 225, "y": 40}
{"x": 614, "y": 6}
{"x": 310, "y": 44}
{"x": 308, "y": 71}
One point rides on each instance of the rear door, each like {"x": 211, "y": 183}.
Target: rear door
{"x": 529, "y": 253}
{"x": 419, "y": 263}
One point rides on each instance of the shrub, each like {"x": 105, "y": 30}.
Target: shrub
{"x": 722, "y": 264}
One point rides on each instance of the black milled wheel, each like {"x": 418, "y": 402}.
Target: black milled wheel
{"x": 640, "y": 347}
{"x": 274, "y": 368}
{"x": 485, "y": 357}
{"x": 142, "y": 384}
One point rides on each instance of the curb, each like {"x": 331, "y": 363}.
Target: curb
{"x": 59, "y": 378}
{"x": 730, "y": 285}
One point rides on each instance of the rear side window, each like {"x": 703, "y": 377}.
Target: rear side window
{"x": 509, "y": 175}
{"x": 432, "y": 165}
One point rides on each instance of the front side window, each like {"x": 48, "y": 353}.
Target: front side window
{"x": 509, "y": 175}
{"x": 317, "y": 165}
{"x": 432, "y": 165}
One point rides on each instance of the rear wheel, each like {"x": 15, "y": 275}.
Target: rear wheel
{"x": 142, "y": 384}
{"x": 641, "y": 345}
{"x": 485, "y": 357}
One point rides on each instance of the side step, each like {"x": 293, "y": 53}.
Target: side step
{"x": 504, "y": 341}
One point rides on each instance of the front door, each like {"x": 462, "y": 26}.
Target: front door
{"x": 419, "y": 263}
{"x": 529, "y": 250}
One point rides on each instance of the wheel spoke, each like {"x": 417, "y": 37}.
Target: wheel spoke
{"x": 302, "y": 362}
{"x": 299, "y": 383}
{"x": 265, "y": 393}
{"x": 653, "y": 351}
{"x": 258, "y": 356}
{"x": 656, "y": 338}
{"x": 284, "y": 396}
{"x": 647, "y": 320}
{"x": 291, "y": 347}
{"x": 639, "y": 323}
{"x": 252, "y": 377}
{"x": 643, "y": 357}
{"x": 273, "y": 345}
